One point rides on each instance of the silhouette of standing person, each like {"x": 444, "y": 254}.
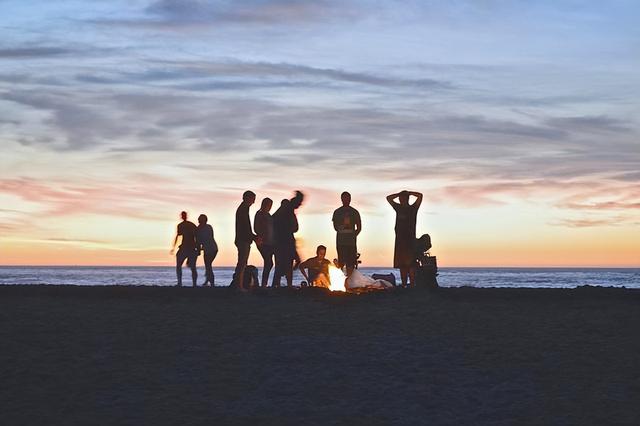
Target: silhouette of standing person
{"x": 285, "y": 224}
{"x": 244, "y": 237}
{"x": 346, "y": 222}
{"x": 404, "y": 253}
{"x": 263, "y": 225}
{"x": 206, "y": 243}
{"x": 187, "y": 249}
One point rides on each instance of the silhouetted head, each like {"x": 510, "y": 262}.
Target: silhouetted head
{"x": 321, "y": 251}
{"x": 266, "y": 205}
{"x": 424, "y": 243}
{"x": 284, "y": 203}
{"x": 346, "y": 198}
{"x": 404, "y": 197}
{"x": 249, "y": 197}
{"x": 202, "y": 219}
{"x": 183, "y": 215}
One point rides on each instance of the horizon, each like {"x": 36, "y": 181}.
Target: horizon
{"x": 519, "y": 123}
{"x": 361, "y": 267}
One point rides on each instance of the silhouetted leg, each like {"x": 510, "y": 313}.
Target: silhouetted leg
{"x": 412, "y": 276}
{"x": 403, "y": 275}
{"x": 289, "y": 273}
{"x": 321, "y": 281}
{"x": 243, "y": 258}
{"x": 191, "y": 263}
{"x": 347, "y": 257}
{"x": 267, "y": 257}
{"x": 276, "y": 279}
{"x": 180, "y": 258}
{"x": 277, "y": 272}
{"x": 208, "y": 260}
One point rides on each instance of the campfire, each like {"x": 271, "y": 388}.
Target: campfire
{"x": 337, "y": 278}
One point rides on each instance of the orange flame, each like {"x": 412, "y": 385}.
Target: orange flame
{"x": 337, "y": 278}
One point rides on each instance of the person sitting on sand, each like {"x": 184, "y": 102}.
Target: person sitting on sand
{"x": 316, "y": 269}
{"x": 187, "y": 249}
{"x": 404, "y": 254}
{"x": 207, "y": 243}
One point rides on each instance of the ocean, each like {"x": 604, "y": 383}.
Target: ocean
{"x": 448, "y": 277}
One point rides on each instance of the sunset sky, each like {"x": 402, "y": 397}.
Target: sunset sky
{"x": 519, "y": 121}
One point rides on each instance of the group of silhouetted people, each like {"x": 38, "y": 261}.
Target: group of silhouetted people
{"x": 195, "y": 240}
{"x": 275, "y": 239}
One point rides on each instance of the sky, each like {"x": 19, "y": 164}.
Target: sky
{"x": 518, "y": 120}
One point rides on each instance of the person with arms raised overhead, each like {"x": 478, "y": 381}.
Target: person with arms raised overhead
{"x": 316, "y": 269}
{"x": 263, "y": 225}
{"x": 187, "y": 249}
{"x": 244, "y": 237}
{"x": 206, "y": 243}
{"x": 346, "y": 222}
{"x": 404, "y": 253}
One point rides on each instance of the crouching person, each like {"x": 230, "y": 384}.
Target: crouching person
{"x": 316, "y": 269}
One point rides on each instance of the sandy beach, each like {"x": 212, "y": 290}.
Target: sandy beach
{"x": 140, "y": 355}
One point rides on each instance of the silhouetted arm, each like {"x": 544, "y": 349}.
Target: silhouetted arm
{"x": 175, "y": 241}
{"x": 198, "y": 241}
{"x": 296, "y": 201}
{"x": 418, "y": 195}
{"x": 358, "y": 224}
{"x": 392, "y": 197}
{"x": 303, "y": 268}
{"x": 334, "y": 219}
{"x": 259, "y": 226}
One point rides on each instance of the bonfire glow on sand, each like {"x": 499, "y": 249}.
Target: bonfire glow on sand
{"x": 337, "y": 279}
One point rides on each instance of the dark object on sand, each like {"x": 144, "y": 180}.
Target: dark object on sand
{"x": 427, "y": 272}
{"x": 427, "y": 269}
{"x": 387, "y": 277}
{"x": 250, "y": 278}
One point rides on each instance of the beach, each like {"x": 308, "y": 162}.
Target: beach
{"x": 161, "y": 355}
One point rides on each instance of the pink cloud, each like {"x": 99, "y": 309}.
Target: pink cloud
{"x": 136, "y": 197}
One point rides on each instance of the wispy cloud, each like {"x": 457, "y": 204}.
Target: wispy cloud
{"x": 237, "y": 75}
{"x": 135, "y": 197}
{"x": 179, "y": 14}
{"x": 36, "y": 52}
{"x": 590, "y": 223}
{"x": 246, "y": 12}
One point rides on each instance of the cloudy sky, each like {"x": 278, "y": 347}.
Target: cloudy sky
{"x": 518, "y": 120}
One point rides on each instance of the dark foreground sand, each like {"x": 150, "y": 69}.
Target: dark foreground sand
{"x": 125, "y": 355}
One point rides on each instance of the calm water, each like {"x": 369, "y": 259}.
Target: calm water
{"x": 449, "y": 277}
